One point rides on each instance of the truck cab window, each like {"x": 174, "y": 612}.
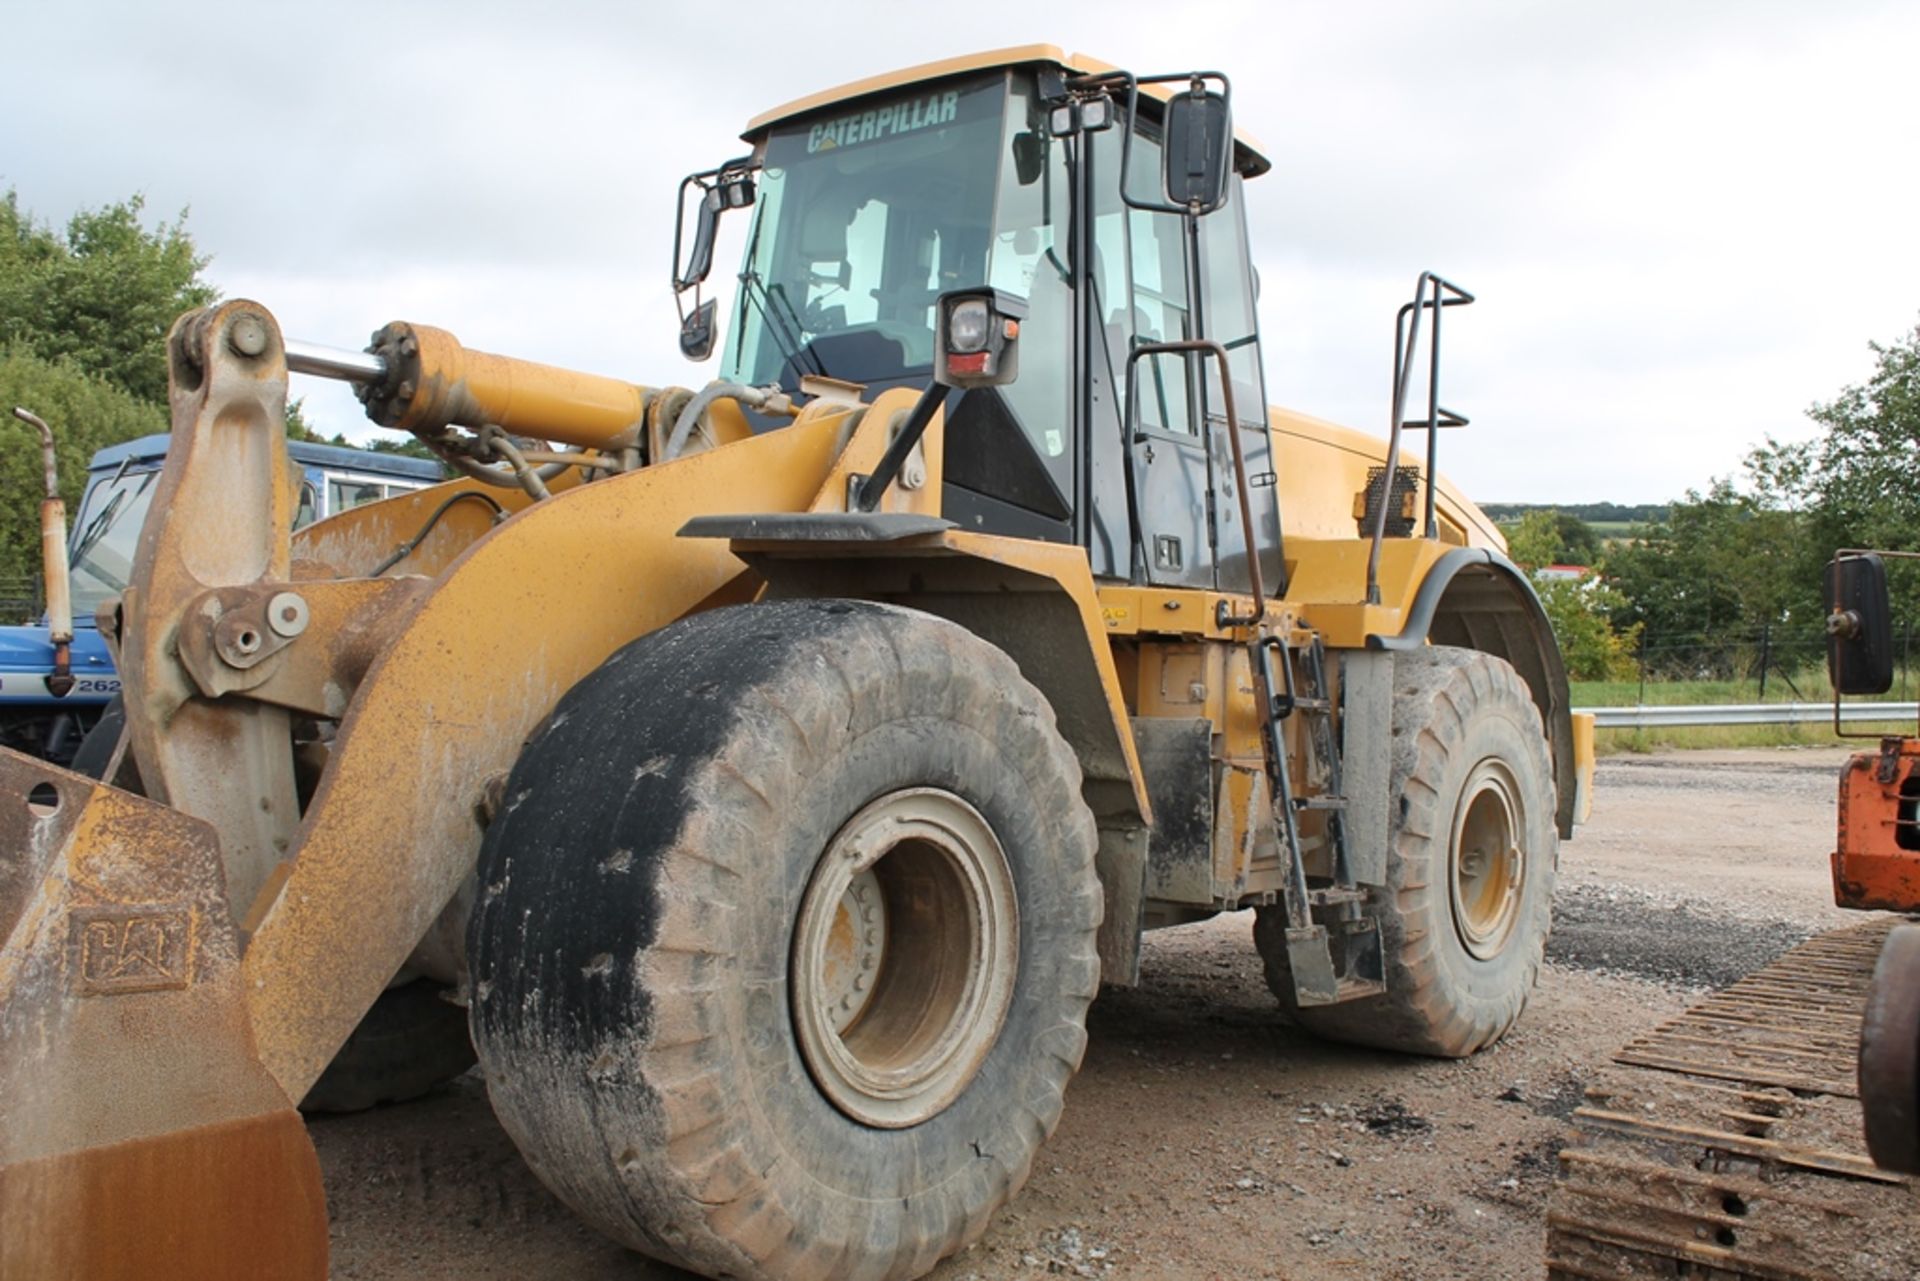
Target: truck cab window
{"x": 1226, "y": 284}
{"x": 1140, "y": 263}
{"x": 862, "y": 221}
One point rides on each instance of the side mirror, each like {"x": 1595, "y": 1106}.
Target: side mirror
{"x": 705, "y": 228}
{"x": 1029, "y": 157}
{"x": 728, "y": 187}
{"x": 696, "y": 332}
{"x": 977, "y": 338}
{"x": 1197, "y": 153}
{"x": 1859, "y": 625}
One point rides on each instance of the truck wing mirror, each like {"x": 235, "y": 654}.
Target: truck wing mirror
{"x": 1029, "y": 157}
{"x": 1196, "y": 145}
{"x": 1197, "y": 151}
{"x": 1859, "y": 625}
{"x": 705, "y": 227}
{"x": 728, "y": 187}
{"x": 696, "y": 331}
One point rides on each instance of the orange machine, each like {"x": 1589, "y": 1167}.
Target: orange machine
{"x": 1876, "y": 856}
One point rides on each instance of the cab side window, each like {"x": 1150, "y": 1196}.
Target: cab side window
{"x": 1141, "y": 273}
{"x": 1227, "y": 299}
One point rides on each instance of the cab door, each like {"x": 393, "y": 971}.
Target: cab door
{"x": 1141, "y": 276}
{"x": 1227, "y": 308}
{"x": 1187, "y": 489}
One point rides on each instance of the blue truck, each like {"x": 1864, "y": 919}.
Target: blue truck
{"x": 120, "y": 484}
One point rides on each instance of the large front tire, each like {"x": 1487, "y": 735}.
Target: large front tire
{"x": 785, "y": 941}
{"x": 1464, "y": 916}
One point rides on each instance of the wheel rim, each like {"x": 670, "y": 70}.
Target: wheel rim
{"x": 1489, "y": 868}
{"x": 904, "y": 959}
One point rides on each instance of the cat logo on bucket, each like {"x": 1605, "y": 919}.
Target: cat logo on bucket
{"x": 885, "y": 122}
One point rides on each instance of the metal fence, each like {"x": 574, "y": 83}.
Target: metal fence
{"x": 1775, "y": 661}
{"x": 1656, "y": 717}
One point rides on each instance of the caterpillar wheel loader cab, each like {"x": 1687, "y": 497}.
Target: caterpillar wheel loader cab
{"x": 777, "y": 769}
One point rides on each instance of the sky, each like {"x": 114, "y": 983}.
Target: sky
{"x": 1684, "y": 222}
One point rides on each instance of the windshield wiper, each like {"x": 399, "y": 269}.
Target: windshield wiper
{"x": 767, "y": 302}
{"x": 97, "y": 527}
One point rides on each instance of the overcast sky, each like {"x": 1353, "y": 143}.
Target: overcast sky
{"x": 1684, "y": 221}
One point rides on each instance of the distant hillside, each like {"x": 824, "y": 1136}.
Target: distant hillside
{"x": 1592, "y": 513}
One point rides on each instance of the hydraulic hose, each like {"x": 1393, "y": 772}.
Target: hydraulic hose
{"x": 771, "y": 399}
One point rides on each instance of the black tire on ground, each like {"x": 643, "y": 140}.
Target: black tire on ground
{"x": 1471, "y": 861}
{"x": 410, "y": 1041}
{"x": 640, "y": 945}
{"x": 96, "y": 749}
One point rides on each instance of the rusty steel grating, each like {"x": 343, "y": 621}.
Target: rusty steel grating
{"x": 1795, "y": 1023}
{"x": 1726, "y": 1144}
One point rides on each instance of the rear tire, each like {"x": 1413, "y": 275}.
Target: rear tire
{"x": 410, "y": 1041}
{"x": 1472, "y": 854}
{"x": 96, "y": 749}
{"x": 712, "y": 841}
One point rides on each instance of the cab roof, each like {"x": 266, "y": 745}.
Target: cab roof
{"x": 151, "y": 449}
{"x": 1250, "y": 159}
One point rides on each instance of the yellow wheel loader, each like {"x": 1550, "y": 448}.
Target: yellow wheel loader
{"x": 776, "y": 770}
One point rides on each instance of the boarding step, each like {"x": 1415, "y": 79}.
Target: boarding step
{"x": 1311, "y": 706}
{"x": 1321, "y": 804}
{"x": 1316, "y": 981}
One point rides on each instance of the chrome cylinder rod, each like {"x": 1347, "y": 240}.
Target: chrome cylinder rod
{"x": 335, "y": 362}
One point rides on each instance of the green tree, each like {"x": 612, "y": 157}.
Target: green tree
{"x": 84, "y": 315}
{"x": 101, "y": 295}
{"x": 86, "y": 413}
{"x": 1593, "y": 647}
{"x": 1552, "y": 537}
{"x": 1733, "y": 572}
{"x": 1858, "y": 482}
{"x": 1581, "y": 611}
{"x": 1534, "y": 541}
{"x": 1723, "y": 574}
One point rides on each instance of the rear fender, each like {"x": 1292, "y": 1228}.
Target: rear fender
{"x": 1474, "y": 598}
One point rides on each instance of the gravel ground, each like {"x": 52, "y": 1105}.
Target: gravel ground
{"x": 1203, "y": 1137}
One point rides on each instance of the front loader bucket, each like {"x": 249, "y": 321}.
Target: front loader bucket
{"x": 139, "y": 1134}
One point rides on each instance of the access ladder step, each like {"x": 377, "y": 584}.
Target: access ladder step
{"x": 1324, "y": 804}
{"x": 1311, "y": 961}
{"x": 1310, "y": 955}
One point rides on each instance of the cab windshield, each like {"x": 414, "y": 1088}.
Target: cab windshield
{"x": 864, "y": 218}
{"x": 106, "y": 537}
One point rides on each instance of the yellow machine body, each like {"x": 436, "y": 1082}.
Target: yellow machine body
{"x": 178, "y": 968}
